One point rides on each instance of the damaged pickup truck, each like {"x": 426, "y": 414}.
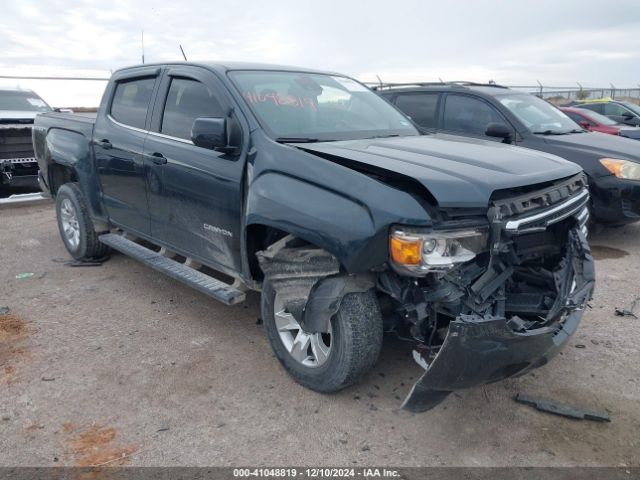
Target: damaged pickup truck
{"x": 310, "y": 188}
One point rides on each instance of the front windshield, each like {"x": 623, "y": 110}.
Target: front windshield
{"x": 538, "y": 115}
{"x": 297, "y": 106}
{"x": 596, "y": 117}
{"x": 633, "y": 107}
{"x": 22, "y": 101}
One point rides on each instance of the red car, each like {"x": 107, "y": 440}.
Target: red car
{"x": 594, "y": 122}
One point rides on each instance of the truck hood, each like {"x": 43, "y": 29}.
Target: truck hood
{"x": 17, "y": 116}
{"x": 596, "y": 144}
{"x": 459, "y": 172}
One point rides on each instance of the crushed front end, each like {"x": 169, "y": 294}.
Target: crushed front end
{"x": 499, "y": 301}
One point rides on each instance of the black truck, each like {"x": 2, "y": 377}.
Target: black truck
{"x": 313, "y": 190}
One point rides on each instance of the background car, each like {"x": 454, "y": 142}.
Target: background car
{"x": 18, "y": 165}
{"x": 489, "y": 111}
{"x": 619, "y": 111}
{"x": 594, "y": 122}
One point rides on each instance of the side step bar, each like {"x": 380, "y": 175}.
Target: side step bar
{"x": 204, "y": 283}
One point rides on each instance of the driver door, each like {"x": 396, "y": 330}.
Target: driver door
{"x": 194, "y": 192}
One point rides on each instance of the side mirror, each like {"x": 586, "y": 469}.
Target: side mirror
{"x": 63, "y": 110}
{"x": 627, "y": 115}
{"x": 584, "y": 124}
{"x": 499, "y": 130}
{"x": 211, "y": 133}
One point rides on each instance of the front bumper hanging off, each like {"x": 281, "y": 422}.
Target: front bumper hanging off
{"x": 483, "y": 349}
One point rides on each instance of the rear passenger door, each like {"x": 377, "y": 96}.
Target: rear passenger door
{"x": 119, "y": 135}
{"x": 194, "y": 192}
{"x": 470, "y": 116}
{"x": 421, "y": 107}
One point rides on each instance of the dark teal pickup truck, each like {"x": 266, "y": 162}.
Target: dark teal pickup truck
{"x": 310, "y": 188}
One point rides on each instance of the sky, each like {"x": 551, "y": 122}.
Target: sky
{"x": 558, "y": 43}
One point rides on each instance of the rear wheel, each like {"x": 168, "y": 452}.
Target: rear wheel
{"x": 75, "y": 224}
{"x": 331, "y": 360}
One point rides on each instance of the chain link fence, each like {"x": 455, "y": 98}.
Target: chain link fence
{"x": 562, "y": 95}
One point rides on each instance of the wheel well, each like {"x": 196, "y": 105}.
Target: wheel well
{"x": 259, "y": 237}
{"x": 59, "y": 175}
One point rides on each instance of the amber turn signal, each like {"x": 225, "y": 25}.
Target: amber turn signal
{"x": 405, "y": 251}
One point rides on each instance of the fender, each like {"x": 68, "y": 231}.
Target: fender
{"x": 73, "y": 150}
{"x": 331, "y": 221}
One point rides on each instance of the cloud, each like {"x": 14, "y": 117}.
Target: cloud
{"x": 510, "y": 42}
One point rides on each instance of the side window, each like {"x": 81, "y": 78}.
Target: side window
{"x": 614, "y": 109}
{"x": 187, "y": 100}
{"x": 596, "y": 107}
{"x": 469, "y": 115}
{"x": 578, "y": 118}
{"x": 131, "y": 100}
{"x": 421, "y": 107}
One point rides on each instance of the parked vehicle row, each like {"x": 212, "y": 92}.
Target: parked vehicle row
{"x": 313, "y": 190}
{"x": 493, "y": 112}
{"x": 594, "y": 122}
{"x": 619, "y": 111}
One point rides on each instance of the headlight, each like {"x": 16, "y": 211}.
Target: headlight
{"x": 622, "y": 168}
{"x": 420, "y": 252}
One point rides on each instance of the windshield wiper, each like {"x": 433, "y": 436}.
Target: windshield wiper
{"x": 385, "y": 136}
{"x": 296, "y": 140}
{"x": 551, "y": 132}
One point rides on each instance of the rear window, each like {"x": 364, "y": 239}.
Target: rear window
{"x": 421, "y": 107}
{"x": 131, "y": 100}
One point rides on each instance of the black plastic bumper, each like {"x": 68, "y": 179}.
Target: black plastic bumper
{"x": 615, "y": 201}
{"x": 480, "y": 350}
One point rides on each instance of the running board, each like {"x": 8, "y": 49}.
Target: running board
{"x": 204, "y": 283}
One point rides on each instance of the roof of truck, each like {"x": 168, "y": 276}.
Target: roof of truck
{"x": 228, "y": 66}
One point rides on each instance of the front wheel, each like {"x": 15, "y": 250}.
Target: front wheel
{"x": 75, "y": 224}
{"x": 327, "y": 361}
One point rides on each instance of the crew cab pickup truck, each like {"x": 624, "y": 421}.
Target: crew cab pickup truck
{"x": 313, "y": 190}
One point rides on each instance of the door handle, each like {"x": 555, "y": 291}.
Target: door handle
{"x": 158, "y": 158}
{"x": 104, "y": 143}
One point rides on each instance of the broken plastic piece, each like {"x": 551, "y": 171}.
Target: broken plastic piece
{"x": 565, "y": 410}
{"x": 623, "y": 312}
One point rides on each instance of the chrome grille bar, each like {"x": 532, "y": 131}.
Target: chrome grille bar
{"x": 550, "y": 216}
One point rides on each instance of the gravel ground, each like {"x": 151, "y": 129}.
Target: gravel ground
{"x": 119, "y": 364}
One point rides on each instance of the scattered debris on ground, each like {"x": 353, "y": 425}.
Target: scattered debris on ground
{"x": 623, "y": 312}
{"x": 563, "y": 409}
{"x": 86, "y": 263}
{"x": 4, "y": 309}
{"x": 24, "y": 275}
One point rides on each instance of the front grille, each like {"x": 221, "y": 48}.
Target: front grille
{"x": 541, "y": 220}
{"x": 16, "y": 144}
{"x": 536, "y": 210}
{"x": 532, "y": 198}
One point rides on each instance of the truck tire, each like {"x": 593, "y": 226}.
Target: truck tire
{"x": 75, "y": 225}
{"x": 354, "y": 341}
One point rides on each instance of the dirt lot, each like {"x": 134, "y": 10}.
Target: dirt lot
{"x": 119, "y": 364}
